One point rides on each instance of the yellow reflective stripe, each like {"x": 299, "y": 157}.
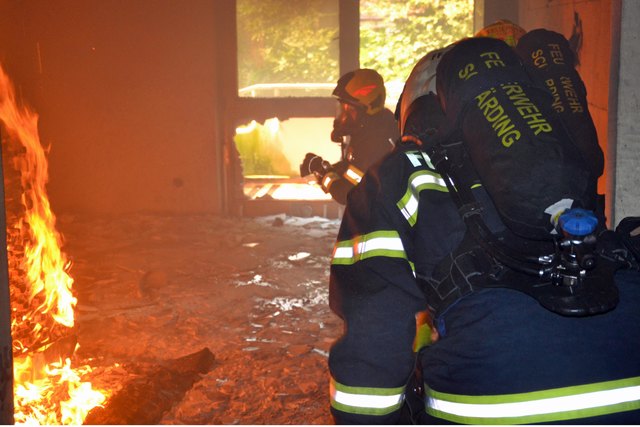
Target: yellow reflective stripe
{"x": 379, "y": 243}
{"x": 365, "y": 400}
{"x": 565, "y": 403}
{"x": 422, "y": 338}
{"x": 353, "y": 175}
{"x": 328, "y": 180}
{"x": 418, "y": 181}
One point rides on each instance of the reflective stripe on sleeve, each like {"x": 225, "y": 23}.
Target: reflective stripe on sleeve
{"x": 559, "y": 404}
{"x": 418, "y": 181}
{"x": 353, "y": 175}
{"x": 378, "y": 243}
{"x": 328, "y": 180}
{"x": 365, "y": 400}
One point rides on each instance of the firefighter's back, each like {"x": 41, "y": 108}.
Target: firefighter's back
{"x": 502, "y": 358}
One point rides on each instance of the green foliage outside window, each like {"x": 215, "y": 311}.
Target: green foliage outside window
{"x": 395, "y": 34}
{"x": 297, "y": 41}
{"x": 293, "y": 41}
{"x": 260, "y": 149}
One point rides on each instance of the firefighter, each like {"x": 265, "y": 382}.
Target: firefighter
{"x": 363, "y": 126}
{"x": 496, "y": 355}
{"x": 503, "y": 29}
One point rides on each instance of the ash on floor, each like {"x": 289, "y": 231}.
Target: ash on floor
{"x": 253, "y": 291}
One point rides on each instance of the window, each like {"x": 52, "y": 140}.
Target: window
{"x": 287, "y": 49}
{"x": 290, "y": 56}
{"x": 271, "y": 154}
{"x": 394, "y": 35}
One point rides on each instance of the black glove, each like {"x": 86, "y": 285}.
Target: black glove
{"x": 313, "y": 164}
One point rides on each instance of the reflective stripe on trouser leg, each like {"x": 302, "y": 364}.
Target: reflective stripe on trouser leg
{"x": 557, "y": 404}
{"x": 365, "y": 400}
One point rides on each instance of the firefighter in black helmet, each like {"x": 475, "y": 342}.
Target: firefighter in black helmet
{"x": 495, "y": 355}
{"x": 363, "y": 126}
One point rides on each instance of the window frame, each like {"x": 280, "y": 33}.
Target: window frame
{"x": 262, "y": 108}
{"x": 232, "y": 110}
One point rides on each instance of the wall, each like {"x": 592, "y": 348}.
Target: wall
{"x": 627, "y": 105}
{"x": 126, "y": 95}
{"x": 493, "y": 10}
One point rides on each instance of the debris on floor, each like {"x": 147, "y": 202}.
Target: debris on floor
{"x": 252, "y": 291}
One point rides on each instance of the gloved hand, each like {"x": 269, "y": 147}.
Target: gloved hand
{"x": 314, "y": 164}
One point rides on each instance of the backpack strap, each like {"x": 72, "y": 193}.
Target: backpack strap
{"x": 575, "y": 279}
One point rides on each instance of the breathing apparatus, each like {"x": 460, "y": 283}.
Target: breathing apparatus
{"x": 569, "y": 272}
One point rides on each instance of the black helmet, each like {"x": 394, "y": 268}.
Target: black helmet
{"x": 421, "y": 81}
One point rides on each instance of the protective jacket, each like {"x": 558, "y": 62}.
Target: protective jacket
{"x": 501, "y": 357}
{"x": 372, "y": 140}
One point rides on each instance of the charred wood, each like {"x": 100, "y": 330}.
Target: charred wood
{"x": 144, "y": 399}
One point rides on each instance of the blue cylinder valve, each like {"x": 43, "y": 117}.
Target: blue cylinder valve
{"x": 578, "y": 222}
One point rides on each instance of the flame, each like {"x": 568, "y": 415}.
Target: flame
{"x": 58, "y": 397}
{"x": 44, "y": 393}
{"x": 45, "y": 264}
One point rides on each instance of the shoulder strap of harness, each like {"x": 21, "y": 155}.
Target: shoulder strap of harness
{"x": 569, "y": 285}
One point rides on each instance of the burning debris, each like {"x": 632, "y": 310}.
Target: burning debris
{"x": 252, "y": 291}
{"x": 47, "y": 389}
